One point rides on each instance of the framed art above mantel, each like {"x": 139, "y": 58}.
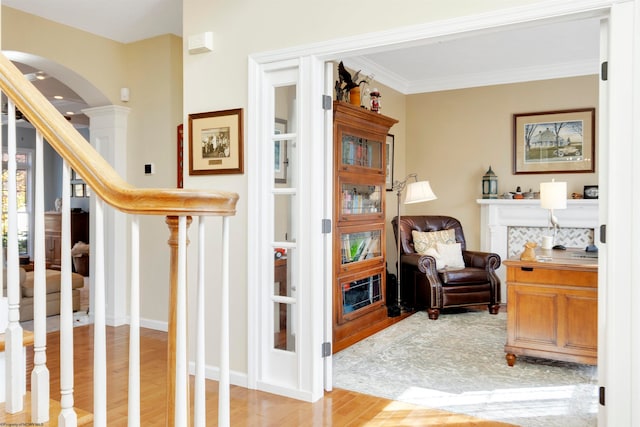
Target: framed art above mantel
{"x": 554, "y": 142}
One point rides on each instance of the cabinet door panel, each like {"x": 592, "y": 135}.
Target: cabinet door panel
{"x": 580, "y": 321}
{"x": 360, "y": 199}
{"x": 358, "y": 295}
{"x": 535, "y": 316}
{"x": 360, "y": 151}
{"x": 359, "y": 246}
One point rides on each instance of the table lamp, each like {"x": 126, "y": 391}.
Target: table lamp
{"x": 553, "y": 195}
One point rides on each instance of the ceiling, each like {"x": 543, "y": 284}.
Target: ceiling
{"x": 124, "y": 21}
{"x": 552, "y": 50}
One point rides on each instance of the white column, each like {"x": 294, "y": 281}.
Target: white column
{"x": 108, "y": 134}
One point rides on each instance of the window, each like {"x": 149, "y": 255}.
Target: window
{"x": 23, "y": 197}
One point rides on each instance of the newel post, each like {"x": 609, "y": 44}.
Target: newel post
{"x": 173, "y": 224}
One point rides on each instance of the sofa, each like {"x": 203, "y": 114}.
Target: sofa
{"x": 463, "y": 277}
{"x": 52, "y": 289}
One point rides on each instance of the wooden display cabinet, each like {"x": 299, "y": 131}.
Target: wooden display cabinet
{"x": 552, "y": 308}
{"x": 359, "y": 259}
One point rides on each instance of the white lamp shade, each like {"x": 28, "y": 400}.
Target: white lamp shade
{"x": 553, "y": 195}
{"x": 419, "y": 192}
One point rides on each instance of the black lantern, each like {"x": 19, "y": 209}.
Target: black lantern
{"x": 490, "y": 185}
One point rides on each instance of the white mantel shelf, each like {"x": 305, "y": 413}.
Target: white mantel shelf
{"x": 497, "y": 215}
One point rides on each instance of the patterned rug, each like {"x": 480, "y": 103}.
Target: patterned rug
{"x": 457, "y": 364}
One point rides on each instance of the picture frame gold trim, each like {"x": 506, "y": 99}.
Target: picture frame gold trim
{"x": 216, "y": 143}
{"x": 554, "y": 142}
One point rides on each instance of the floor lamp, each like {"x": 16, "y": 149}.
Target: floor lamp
{"x": 553, "y": 195}
{"x": 417, "y": 192}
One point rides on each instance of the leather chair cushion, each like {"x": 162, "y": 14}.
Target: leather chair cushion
{"x": 470, "y": 275}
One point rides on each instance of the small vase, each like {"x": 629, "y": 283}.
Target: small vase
{"x": 354, "y": 96}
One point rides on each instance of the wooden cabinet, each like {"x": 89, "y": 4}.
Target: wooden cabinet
{"x": 552, "y": 308}
{"x": 359, "y": 300}
{"x": 53, "y": 234}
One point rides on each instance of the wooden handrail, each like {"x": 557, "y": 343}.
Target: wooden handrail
{"x": 99, "y": 175}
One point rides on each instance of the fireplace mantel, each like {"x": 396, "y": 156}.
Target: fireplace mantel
{"x": 497, "y": 215}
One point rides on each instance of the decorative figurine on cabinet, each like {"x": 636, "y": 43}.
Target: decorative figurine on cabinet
{"x": 375, "y": 100}
{"x": 529, "y": 253}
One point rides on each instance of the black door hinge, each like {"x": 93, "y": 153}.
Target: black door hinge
{"x": 601, "y": 396}
{"x": 603, "y": 233}
{"x": 604, "y": 71}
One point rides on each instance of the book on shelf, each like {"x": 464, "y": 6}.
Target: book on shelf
{"x": 364, "y": 245}
{"x": 370, "y": 248}
{"x": 346, "y": 250}
{"x": 357, "y": 249}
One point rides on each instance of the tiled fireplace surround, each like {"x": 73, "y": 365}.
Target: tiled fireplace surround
{"x": 505, "y": 225}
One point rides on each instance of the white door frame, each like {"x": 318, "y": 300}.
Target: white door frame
{"x": 619, "y": 321}
{"x": 618, "y": 347}
{"x": 298, "y": 373}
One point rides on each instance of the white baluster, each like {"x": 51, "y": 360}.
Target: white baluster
{"x": 199, "y": 404}
{"x": 224, "y": 401}
{"x": 134, "y": 328}
{"x": 14, "y": 351}
{"x": 68, "y": 416}
{"x": 99, "y": 331}
{"x": 40, "y": 373}
{"x": 182, "y": 385}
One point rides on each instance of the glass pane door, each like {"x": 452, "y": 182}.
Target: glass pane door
{"x": 285, "y": 225}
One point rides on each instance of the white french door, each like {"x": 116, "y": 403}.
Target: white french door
{"x": 286, "y": 187}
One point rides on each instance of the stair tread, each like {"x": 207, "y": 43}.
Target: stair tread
{"x": 24, "y": 418}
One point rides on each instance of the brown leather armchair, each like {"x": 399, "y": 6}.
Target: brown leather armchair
{"x": 422, "y": 286}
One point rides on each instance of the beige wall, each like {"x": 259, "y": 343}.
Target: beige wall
{"x": 152, "y": 70}
{"x": 454, "y": 136}
{"x": 154, "y": 74}
{"x": 96, "y": 59}
{"x": 437, "y": 138}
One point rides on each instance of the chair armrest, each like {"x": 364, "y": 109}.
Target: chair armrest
{"x": 486, "y": 260}
{"x": 423, "y": 263}
{"x": 410, "y": 259}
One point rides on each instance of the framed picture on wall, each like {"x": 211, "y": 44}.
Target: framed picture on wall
{"x": 215, "y": 142}
{"x": 180, "y": 171}
{"x": 554, "y": 142}
{"x": 389, "y": 160}
{"x": 77, "y": 190}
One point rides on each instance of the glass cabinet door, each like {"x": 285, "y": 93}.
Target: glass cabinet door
{"x": 359, "y": 246}
{"x": 361, "y": 152}
{"x": 360, "y": 199}
{"x": 360, "y": 294}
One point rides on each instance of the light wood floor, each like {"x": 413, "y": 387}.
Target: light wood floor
{"x": 248, "y": 407}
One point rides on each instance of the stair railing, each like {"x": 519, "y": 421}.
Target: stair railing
{"x": 177, "y": 205}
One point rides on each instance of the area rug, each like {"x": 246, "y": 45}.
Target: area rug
{"x": 457, "y": 364}
{"x": 53, "y": 322}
